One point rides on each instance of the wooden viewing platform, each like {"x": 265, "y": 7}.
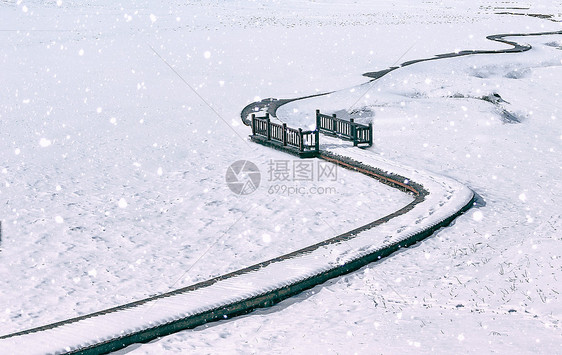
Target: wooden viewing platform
{"x": 348, "y": 130}
{"x": 306, "y": 144}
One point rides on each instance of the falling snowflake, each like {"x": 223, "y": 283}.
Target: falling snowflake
{"x": 122, "y": 203}
{"x": 43, "y": 142}
{"x": 477, "y": 216}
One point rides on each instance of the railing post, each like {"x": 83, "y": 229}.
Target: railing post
{"x": 353, "y": 131}
{"x": 334, "y": 123}
{"x": 317, "y": 139}
{"x": 268, "y": 126}
{"x": 301, "y": 142}
{"x": 284, "y": 134}
{"x": 253, "y": 124}
{"x": 317, "y": 119}
{"x": 370, "y": 134}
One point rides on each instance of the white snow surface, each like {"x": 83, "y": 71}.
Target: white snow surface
{"x": 90, "y": 116}
{"x": 445, "y": 198}
{"x": 113, "y": 170}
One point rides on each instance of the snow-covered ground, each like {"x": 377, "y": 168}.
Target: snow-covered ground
{"x": 113, "y": 169}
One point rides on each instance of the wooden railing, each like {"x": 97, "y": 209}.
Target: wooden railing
{"x": 287, "y": 136}
{"x": 349, "y": 130}
{"x": 308, "y": 141}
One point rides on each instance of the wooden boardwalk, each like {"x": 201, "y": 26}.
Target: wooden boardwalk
{"x": 306, "y": 144}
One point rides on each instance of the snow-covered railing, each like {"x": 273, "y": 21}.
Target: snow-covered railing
{"x": 281, "y": 135}
{"x": 286, "y": 136}
{"x": 350, "y": 130}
